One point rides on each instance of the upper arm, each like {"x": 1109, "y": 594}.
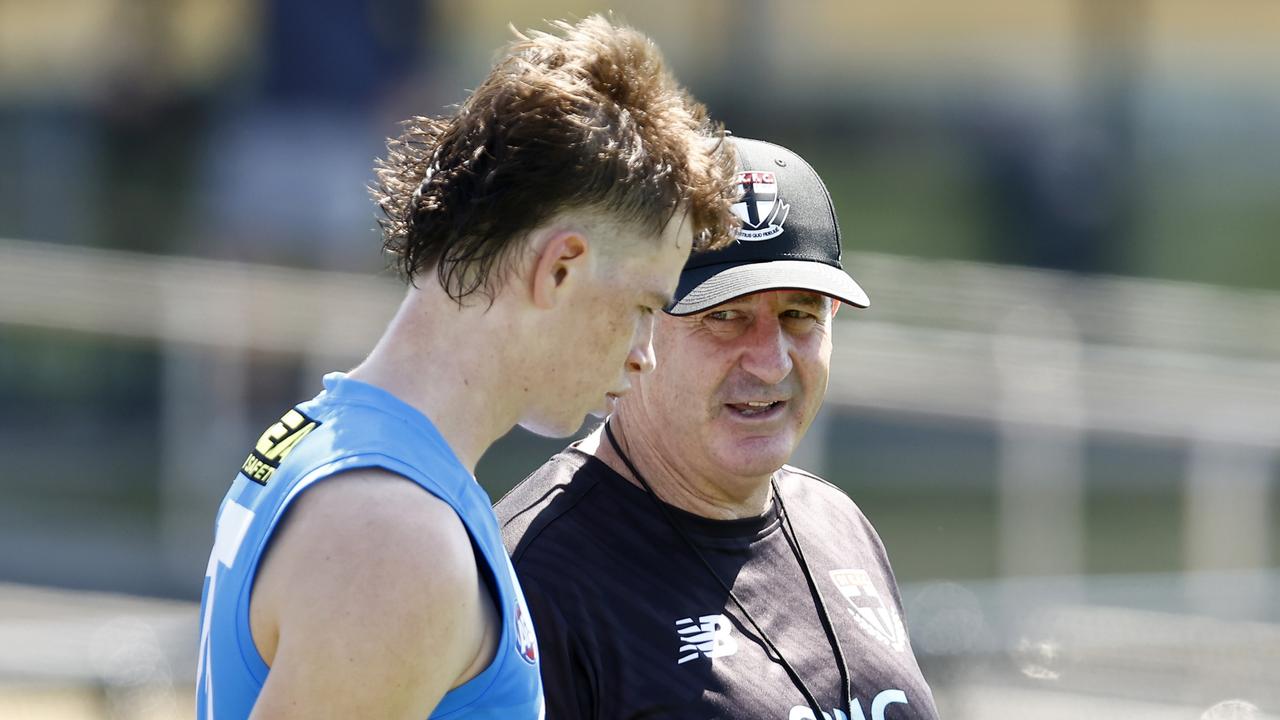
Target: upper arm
{"x": 373, "y": 597}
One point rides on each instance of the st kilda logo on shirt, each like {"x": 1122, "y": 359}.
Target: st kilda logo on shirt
{"x": 869, "y": 609}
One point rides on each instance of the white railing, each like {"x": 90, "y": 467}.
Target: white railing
{"x": 942, "y": 337}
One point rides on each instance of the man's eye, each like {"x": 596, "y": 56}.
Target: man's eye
{"x": 799, "y": 315}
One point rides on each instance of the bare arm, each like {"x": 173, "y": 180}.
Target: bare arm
{"x": 368, "y": 603}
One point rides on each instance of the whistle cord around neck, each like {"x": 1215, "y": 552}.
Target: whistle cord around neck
{"x": 794, "y": 544}
{"x": 823, "y": 615}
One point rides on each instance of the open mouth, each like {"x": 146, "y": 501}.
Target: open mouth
{"x": 756, "y": 409}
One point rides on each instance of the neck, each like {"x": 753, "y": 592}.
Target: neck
{"x": 701, "y": 493}
{"x": 429, "y": 358}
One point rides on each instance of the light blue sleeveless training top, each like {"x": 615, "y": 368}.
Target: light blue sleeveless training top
{"x": 351, "y": 425}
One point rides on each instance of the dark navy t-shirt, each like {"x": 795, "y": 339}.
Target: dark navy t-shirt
{"x": 632, "y": 625}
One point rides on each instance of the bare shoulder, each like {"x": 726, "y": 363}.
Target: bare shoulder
{"x": 363, "y": 509}
{"x": 368, "y": 599}
{"x": 372, "y": 529}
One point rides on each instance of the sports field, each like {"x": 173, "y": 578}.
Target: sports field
{"x": 1061, "y": 411}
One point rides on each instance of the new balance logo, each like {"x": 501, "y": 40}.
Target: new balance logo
{"x": 710, "y": 636}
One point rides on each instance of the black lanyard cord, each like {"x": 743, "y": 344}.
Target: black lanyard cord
{"x": 775, "y": 653}
{"x": 823, "y": 615}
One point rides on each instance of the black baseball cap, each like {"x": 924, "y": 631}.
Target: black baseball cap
{"x": 789, "y": 238}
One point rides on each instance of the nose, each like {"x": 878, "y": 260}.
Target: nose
{"x": 766, "y": 351}
{"x": 641, "y": 359}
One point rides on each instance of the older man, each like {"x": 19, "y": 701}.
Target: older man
{"x": 675, "y": 567}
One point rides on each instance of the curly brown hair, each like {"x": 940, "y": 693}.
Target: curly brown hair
{"x": 587, "y": 117}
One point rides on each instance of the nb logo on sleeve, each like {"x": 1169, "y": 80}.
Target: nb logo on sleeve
{"x": 710, "y": 636}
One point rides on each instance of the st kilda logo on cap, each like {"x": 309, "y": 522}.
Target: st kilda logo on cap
{"x": 760, "y": 209}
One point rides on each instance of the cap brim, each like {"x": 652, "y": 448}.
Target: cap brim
{"x": 705, "y": 287}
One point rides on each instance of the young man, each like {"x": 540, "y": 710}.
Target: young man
{"x": 357, "y": 570}
{"x": 674, "y": 565}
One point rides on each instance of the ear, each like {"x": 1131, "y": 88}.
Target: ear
{"x": 835, "y": 307}
{"x": 562, "y": 259}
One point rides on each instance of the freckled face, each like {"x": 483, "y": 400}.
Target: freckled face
{"x": 607, "y": 332}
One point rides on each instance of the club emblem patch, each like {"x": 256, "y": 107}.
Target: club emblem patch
{"x": 526, "y": 641}
{"x": 868, "y": 608}
{"x": 761, "y": 210}
{"x": 526, "y": 638}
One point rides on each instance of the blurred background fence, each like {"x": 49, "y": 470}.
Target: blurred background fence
{"x": 1062, "y": 411}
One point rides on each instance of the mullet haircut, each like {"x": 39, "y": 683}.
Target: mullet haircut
{"x": 584, "y": 117}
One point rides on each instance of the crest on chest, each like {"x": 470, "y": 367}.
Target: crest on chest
{"x": 869, "y": 609}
